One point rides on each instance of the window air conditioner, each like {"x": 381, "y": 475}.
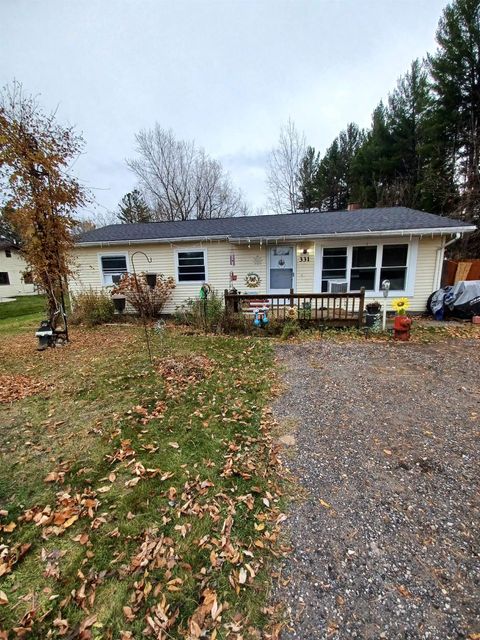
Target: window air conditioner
{"x": 337, "y": 286}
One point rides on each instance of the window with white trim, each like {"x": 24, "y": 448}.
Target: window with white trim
{"x": 191, "y": 266}
{"x": 113, "y": 268}
{"x": 394, "y": 265}
{"x": 366, "y": 266}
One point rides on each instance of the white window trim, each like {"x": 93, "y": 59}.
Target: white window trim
{"x": 109, "y": 254}
{"x": 412, "y": 254}
{"x": 205, "y": 261}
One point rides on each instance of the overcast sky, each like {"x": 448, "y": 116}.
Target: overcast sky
{"x": 226, "y": 73}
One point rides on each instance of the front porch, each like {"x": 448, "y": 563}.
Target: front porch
{"x": 332, "y": 309}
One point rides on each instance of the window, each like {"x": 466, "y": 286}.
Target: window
{"x": 113, "y": 268}
{"x": 4, "y": 279}
{"x": 394, "y": 266}
{"x": 191, "y": 266}
{"x": 334, "y": 265}
{"x": 8, "y": 253}
{"x": 367, "y": 266}
{"x": 363, "y": 271}
{"x": 27, "y": 277}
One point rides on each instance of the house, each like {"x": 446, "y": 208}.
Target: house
{"x": 14, "y": 277}
{"x": 311, "y": 252}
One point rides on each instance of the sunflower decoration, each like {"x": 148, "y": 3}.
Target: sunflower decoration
{"x": 292, "y": 313}
{"x": 400, "y": 305}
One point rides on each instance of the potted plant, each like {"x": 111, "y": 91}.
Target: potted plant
{"x": 402, "y": 323}
{"x": 372, "y": 317}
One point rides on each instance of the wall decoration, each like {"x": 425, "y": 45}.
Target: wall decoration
{"x": 232, "y": 259}
{"x": 252, "y": 280}
{"x": 258, "y": 260}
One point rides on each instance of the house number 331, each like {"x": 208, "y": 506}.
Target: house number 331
{"x": 304, "y": 258}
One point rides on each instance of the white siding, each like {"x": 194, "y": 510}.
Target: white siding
{"x": 247, "y": 259}
{"x": 14, "y": 266}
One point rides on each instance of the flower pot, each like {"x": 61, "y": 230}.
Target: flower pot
{"x": 119, "y": 303}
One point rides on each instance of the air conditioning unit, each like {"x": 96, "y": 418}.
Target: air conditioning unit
{"x": 337, "y": 286}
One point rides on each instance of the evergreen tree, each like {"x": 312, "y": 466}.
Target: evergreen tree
{"x": 335, "y": 174}
{"x": 307, "y": 180}
{"x": 133, "y": 208}
{"x": 455, "y": 71}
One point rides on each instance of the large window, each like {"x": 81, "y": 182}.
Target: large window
{"x": 394, "y": 265}
{"x": 191, "y": 266}
{"x": 4, "y": 279}
{"x": 366, "y": 266}
{"x": 334, "y": 266}
{"x": 363, "y": 271}
{"x": 113, "y": 268}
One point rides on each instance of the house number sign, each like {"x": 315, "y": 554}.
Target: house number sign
{"x": 304, "y": 258}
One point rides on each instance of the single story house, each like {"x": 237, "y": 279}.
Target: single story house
{"x": 310, "y": 252}
{"x": 15, "y": 279}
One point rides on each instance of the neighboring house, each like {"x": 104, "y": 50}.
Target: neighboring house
{"x": 311, "y": 252}
{"x": 14, "y": 277}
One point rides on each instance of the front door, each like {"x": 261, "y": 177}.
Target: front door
{"x": 281, "y": 269}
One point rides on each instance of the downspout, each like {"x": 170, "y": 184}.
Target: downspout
{"x": 437, "y": 280}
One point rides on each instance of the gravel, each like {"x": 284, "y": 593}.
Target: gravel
{"x": 385, "y": 538}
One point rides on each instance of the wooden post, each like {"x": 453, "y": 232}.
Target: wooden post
{"x": 291, "y": 297}
{"x": 227, "y": 305}
{"x": 361, "y": 307}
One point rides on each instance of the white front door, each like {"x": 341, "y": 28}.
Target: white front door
{"x": 281, "y": 270}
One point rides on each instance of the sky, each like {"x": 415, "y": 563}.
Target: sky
{"x": 226, "y": 73}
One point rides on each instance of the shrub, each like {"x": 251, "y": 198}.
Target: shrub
{"x": 147, "y": 300}
{"x": 206, "y": 314}
{"x": 92, "y": 307}
{"x": 290, "y": 328}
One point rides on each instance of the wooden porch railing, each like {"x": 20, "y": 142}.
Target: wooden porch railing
{"x": 334, "y": 309}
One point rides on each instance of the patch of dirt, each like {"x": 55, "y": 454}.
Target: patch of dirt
{"x": 385, "y": 544}
{"x": 16, "y": 387}
{"x": 181, "y": 372}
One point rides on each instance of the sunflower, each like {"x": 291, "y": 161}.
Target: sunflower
{"x": 400, "y": 305}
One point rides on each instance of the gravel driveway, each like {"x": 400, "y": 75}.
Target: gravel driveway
{"x": 386, "y": 539}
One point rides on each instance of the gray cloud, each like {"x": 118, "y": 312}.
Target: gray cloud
{"x": 226, "y": 73}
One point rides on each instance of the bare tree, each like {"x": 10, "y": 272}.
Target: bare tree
{"x": 180, "y": 181}
{"x": 283, "y": 169}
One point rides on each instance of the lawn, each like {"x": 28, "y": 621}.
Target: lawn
{"x": 136, "y": 499}
{"x": 24, "y": 312}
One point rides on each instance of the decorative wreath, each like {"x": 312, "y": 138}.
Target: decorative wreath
{"x": 252, "y": 280}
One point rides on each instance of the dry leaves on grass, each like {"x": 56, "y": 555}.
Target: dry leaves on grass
{"x": 182, "y": 372}
{"x": 16, "y": 387}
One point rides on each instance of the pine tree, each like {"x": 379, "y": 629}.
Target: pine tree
{"x": 133, "y": 208}
{"x": 455, "y": 70}
{"x": 307, "y": 180}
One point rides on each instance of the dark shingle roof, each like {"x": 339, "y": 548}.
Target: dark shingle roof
{"x": 276, "y": 226}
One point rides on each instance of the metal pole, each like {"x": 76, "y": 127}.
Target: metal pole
{"x": 144, "y": 322}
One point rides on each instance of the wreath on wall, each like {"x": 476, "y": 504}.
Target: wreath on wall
{"x": 252, "y": 280}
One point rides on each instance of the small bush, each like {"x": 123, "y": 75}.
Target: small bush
{"x": 92, "y": 307}
{"x": 290, "y": 329}
{"x": 148, "y": 301}
{"x": 206, "y": 314}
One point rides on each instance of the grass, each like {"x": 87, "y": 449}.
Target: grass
{"x": 197, "y": 480}
{"x": 25, "y": 312}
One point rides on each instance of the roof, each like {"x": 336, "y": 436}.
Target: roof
{"x": 296, "y": 225}
{"x": 8, "y": 244}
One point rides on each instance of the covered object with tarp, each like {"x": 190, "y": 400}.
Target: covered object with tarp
{"x": 462, "y": 300}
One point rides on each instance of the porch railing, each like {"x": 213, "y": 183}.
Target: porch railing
{"x": 334, "y": 309}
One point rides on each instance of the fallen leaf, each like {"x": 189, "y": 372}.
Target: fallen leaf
{"x": 3, "y": 598}
{"x": 387, "y": 452}
{"x": 325, "y": 504}
{"x": 175, "y": 445}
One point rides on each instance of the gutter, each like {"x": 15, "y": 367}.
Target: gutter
{"x": 300, "y": 238}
